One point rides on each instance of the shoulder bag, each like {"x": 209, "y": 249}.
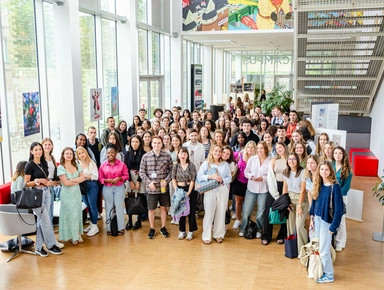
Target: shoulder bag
{"x": 204, "y": 186}
{"x": 274, "y": 217}
{"x": 112, "y": 220}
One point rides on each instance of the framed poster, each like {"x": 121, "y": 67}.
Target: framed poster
{"x": 196, "y": 87}
{"x": 325, "y": 115}
{"x": 31, "y": 113}
{"x": 96, "y": 102}
{"x": 115, "y": 101}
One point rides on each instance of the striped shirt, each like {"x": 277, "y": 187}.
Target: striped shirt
{"x": 154, "y": 168}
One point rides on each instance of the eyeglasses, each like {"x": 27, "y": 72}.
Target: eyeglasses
{"x": 291, "y": 159}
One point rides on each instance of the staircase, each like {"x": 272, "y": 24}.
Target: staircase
{"x": 339, "y": 53}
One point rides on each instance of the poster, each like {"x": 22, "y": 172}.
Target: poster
{"x": 96, "y": 104}
{"x": 208, "y": 15}
{"x": 115, "y": 101}
{"x": 31, "y": 113}
{"x": 196, "y": 87}
{"x": 339, "y": 137}
{"x": 325, "y": 115}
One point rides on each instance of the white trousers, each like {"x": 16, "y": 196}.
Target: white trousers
{"x": 215, "y": 206}
{"x": 341, "y": 236}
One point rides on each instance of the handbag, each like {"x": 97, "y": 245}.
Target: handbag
{"x": 314, "y": 266}
{"x": 250, "y": 230}
{"x": 135, "y": 204}
{"x": 112, "y": 221}
{"x": 29, "y": 198}
{"x": 199, "y": 202}
{"x": 330, "y": 208}
{"x": 274, "y": 217}
{"x": 290, "y": 245}
{"x": 204, "y": 186}
{"x": 83, "y": 187}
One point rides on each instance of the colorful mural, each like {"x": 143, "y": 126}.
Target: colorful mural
{"x": 208, "y": 15}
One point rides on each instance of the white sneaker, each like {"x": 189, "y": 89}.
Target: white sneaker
{"x": 241, "y": 234}
{"x": 190, "y": 236}
{"x": 258, "y": 235}
{"x": 176, "y": 223}
{"x": 236, "y": 225}
{"x": 93, "y": 231}
{"x": 233, "y": 216}
{"x": 172, "y": 222}
{"x": 87, "y": 229}
{"x": 59, "y": 245}
{"x": 338, "y": 249}
{"x": 182, "y": 235}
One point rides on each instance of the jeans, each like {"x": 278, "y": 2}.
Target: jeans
{"x": 114, "y": 196}
{"x": 249, "y": 203}
{"x": 91, "y": 199}
{"x": 322, "y": 232}
{"x": 44, "y": 229}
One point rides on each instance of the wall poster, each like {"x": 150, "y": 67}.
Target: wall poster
{"x": 31, "y": 113}
{"x": 325, "y": 115}
{"x": 115, "y": 101}
{"x": 96, "y": 102}
{"x": 197, "y": 102}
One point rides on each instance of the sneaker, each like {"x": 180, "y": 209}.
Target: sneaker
{"x": 173, "y": 222}
{"x": 59, "y": 245}
{"x": 151, "y": 234}
{"x": 176, "y": 223}
{"x": 325, "y": 279}
{"x": 136, "y": 225}
{"x": 42, "y": 252}
{"x": 164, "y": 232}
{"x": 241, "y": 234}
{"x": 99, "y": 217}
{"x": 182, "y": 235}
{"x": 236, "y": 225}
{"x": 338, "y": 249}
{"x": 190, "y": 236}
{"x": 55, "y": 250}
{"x": 87, "y": 229}
{"x": 258, "y": 235}
{"x": 94, "y": 230}
{"x": 233, "y": 216}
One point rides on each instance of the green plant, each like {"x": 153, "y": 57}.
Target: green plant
{"x": 378, "y": 191}
{"x": 279, "y": 96}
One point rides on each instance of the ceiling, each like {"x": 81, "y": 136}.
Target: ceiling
{"x": 244, "y": 40}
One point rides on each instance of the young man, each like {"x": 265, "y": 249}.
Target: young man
{"x": 258, "y": 110}
{"x": 195, "y": 119}
{"x": 196, "y": 150}
{"x": 293, "y": 121}
{"x": 278, "y": 118}
{"x": 281, "y": 135}
{"x": 155, "y": 170}
{"x": 157, "y": 113}
{"x": 142, "y": 113}
{"x": 111, "y": 128}
{"x": 94, "y": 145}
{"x": 247, "y": 129}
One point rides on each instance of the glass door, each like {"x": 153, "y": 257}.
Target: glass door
{"x": 150, "y": 94}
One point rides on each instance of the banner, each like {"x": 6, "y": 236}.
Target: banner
{"x": 115, "y": 101}
{"x": 196, "y": 87}
{"x": 96, "y": 104}
{"x": 31, "y": 113}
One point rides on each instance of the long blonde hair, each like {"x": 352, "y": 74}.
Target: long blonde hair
{"x": 318, "y": 180}
{"x": 244, "y": 151}
{"x": 307, "y": 173}
{"x": 88, "y": 159}
{"x": 210, "y": 157}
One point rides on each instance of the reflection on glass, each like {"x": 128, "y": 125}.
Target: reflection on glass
{"x": 108, "y": 5}
{"x": 155, "y": 53}
{"x": 142, "y": 11}
{"x": 143, "y": 51}
{"x": 143, "y": 97}
{"x": 155, "y": 94}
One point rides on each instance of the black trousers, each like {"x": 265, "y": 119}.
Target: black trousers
{"x": 191, "y": 216}
{"x": 268, "y": 228}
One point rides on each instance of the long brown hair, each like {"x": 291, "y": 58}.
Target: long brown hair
{"x": 62, "y": 159}
{"x": 287, "y": 171}
{"x": 318, "y": 147}
{"x": 318, "y": 180}
{"x": 307, "y": 173}
{"x": 345, "y": 165}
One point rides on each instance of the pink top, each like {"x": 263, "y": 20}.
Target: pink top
{"x": 111, "y": 171}
{"x": 241, "y": 164}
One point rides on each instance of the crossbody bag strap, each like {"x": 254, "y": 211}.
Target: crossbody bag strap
{"x": 330, "y": 198}
{"x": 46, "y": 177}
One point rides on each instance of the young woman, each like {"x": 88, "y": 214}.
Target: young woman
{"x": 294, "y": 185}
{"x": 324, "y": 186}
{"x": 174, "y": 126}
{"x": 175, "y": 147}
{"x": 184, "y": 176}
{"x": 262, "y": 128}
{"x": 18, "y": 179}
{"x": 122, "y": 127}
{"x": 268, "y": 138}
{"x": 91, "y": 175}
{"x": 208, "y": 124}
{"x": 112, "y": 174}
{"x": 147, "y": 139}
{"x": 275, "y": 181}
{"x": 310, "y": 144}
{"x": 228, "y": 157}
{"x": 140, "y": 131}
{"x": 167, "y": 142}
{"x": 343, "y": 171}
{"x": 135, "y": 185}
{"x": 183, "y": 124}
{"x": 313, "y": 162}
{"x": 241, "y": 138}
{"x": 36, "y": 175}
{"x": 205, "y": 139}
{"x": 132, "y": 130}
{"x": 113, "y": 138}
{"x": 300, "y": 149}
{"x": 286, "y": 119}
{"x": 183, "y": 136}
{"x": 327, "y": 154}
{"x": 219, "y": 138}
{"x": 246, "y": 104}
{"x": 297, "y": 136}
{"x": 257, "y": 188}
{"x": 221, "y": 124}
{"x": 187, "y": 115}
{"x": 307, "y": 124}
{"x": 146, "y": 124}
{"x": 71, "y": 218}
{"x": 216, "y": 200}
{"x": 161, "y": 132}
{"x": 81, "y": 140}
{"x": 240, "y": 182}
{"x": 166, "y": 122}
{"x": 323, "y": 138}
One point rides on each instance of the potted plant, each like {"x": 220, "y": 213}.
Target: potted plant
{"x": 279, "y": 96}
{"x": 378, "y": 191}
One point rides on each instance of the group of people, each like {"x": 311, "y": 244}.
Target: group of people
{"x": 255, "y": 158}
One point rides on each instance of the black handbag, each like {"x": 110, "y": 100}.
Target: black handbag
{"x": 83, "y": 187}
{"x": 112, "y": 220}
{"x": 250, "y": 230}
{"x": 135, "y": 205}
{"x": 29, "y": 198}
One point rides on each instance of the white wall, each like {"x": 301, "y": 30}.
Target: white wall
{"x": 377, "y": 136}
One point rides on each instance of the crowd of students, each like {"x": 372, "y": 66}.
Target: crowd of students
{"x": 255, "y": 157}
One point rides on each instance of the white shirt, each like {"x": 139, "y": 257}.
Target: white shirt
{"x": 196, "y": 153}
{"x": 254, "y": 168}
{"x": 294, "y": 183}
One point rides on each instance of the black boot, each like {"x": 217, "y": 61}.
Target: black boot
{"x": 137, "y": 225}
{"x": 128, "y": 226}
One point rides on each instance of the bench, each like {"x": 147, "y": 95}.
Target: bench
{"x": 364, "y": 162}
{"x": 5, "y": 193}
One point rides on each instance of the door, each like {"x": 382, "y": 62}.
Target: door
{"x": 150, "y": 94}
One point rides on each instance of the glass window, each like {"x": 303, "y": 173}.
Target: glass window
{"x": 108, "y": 5}
{"x": 156, "y": 53}
{"x": 143, "y": 98}
{"x": 109, "y": 63}
{"x": 88, "y": 63}
{"x": 142, "y": 11}
{"x": 167, "y": 71}
{"x": 185, "y": 76}
{"x": 143, "y": 51}
{"x": 21, "y": 76}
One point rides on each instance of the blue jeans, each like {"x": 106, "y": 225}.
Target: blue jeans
{"x": 114, "y": 196}
{"x": 322, "y": 232}
{"x": 249, "y": 203}
{"x": 91, "y": 199}
{"x": 55, "y": 193}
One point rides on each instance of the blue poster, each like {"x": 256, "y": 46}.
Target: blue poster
{"x": 115, "y": 101}
{"x": 31, "y": 113}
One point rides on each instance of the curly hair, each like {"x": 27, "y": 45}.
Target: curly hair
{"x": 345, "y": 165}
{"x": 318, "y": 180}
{"x": 62, "y": 159}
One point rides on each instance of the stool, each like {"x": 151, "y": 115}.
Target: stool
{"x": 365, "y": 165}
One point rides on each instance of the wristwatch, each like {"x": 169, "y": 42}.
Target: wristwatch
{"x": 299, "y": 205}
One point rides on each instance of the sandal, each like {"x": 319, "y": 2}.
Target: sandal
{"x": 264, "y": 242}
{"x": 219, "y": 240}
{"x": 207, "y": 242}
{"x": 109, "y": 233}
{"x": 80, "y": 240}
{"x": 74, "y": 242}
{"x": 120, "y": 233}
{"x": 280, "y": 241}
